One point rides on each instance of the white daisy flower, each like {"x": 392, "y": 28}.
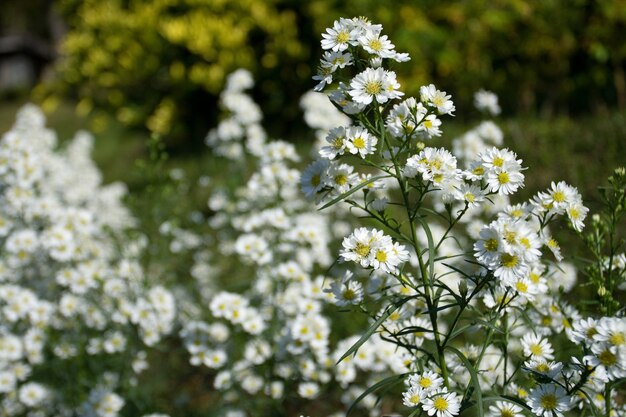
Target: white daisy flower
{"x": 549, "y": 400}
{"x": 377, "y": 84}
{"x": 339, "y": 37}
{"x": 442, "y": 404}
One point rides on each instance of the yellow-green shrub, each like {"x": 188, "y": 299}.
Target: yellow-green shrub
{"x": 155, "y": 63}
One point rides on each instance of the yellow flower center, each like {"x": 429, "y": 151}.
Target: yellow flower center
{"x": 415, "y": 399}
{"x": 510, "y": 237}
{"x": 542, "y": 367}
{"x": 478, "y": 171}
{"x": 373, "y": 87}
{"x": 503, "y": 178}
{"x": 316, "y": 180}
{"x": 509, "y": 261}
{"x": 617, "y": 339}
{"x": 497, "y": 161}
{"x": 381, "y": 256}
{"x": 607, "y": 358}
{"x": 521, "y": 287}
{"x": 338, "y": 142}
{"x": 438, "y": 101}
{"x": 359, "y": 142}
{"x": 376, "y": 44}
{"x": 536, "y": 349}
{"x": 558, "y": 196}
{"x": 548, "y": 402}
{"x": 435, "y": 163}
{"x": 425, "y": 382}
{"x": 507, "y": 413}
{"x": 440, "y": 404}
{"x": 343, "y": 37}
{"x": 362, "y": 250}
{"x": 491, "y": 245}
{"x": 348, "y": 294}
{"x": 341, "y": 179}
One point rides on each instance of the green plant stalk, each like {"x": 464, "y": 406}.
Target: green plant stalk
{"x": 607, "y": 400}
{"x": 427, "y": 284}
{"x": 505, "y": 326}
{"x": 461, "y": 310}
{"x": 490, "y": 332}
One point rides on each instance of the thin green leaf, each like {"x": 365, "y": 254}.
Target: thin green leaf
{"x": 460, "y": 330}
{"x": 460, "y": 271}
{"x": 413, "y": 329}
{"x": 394, "y": 379}
{"x": 509, "y": 399}
{"x": 474, "y": 377}
{"x": 373, "y": 328}
{"x": 431, "y": 246}
{"x": 487, "y": 324}
{"x": 353, "y": 190}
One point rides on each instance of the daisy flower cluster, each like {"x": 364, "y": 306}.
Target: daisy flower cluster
{"x": 342, "y": 43}
{"x": 372, "y": 248}
{"x": 427, "y": 391}
{"x": 511, "y": 245}
{"x": 71, "y": 286}
{"x": 424, "y": 292}
{"x": 271, "y": 338}
{"x": 361, "y": 47}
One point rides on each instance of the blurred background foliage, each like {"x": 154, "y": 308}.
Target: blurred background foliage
{"x": 159, "y": 65}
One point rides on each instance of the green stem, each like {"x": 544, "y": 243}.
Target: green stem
{"x": 607, "y": 400}
{"x": 424, "y": 273}
{"x": 503, "y": 303}
{"x": 505, "y": 326}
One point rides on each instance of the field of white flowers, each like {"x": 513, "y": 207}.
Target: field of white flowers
{"x": 389, "y": 276}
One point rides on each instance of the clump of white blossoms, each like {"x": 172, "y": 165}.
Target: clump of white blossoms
{"x": 269, "y": 337}
{"x": 487, "y": 102}
{"x": 71, "y": 287}
{"x": 461, "y": 327}
{"x": 242, "y": 121}
{"x": 370, "y": 248}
